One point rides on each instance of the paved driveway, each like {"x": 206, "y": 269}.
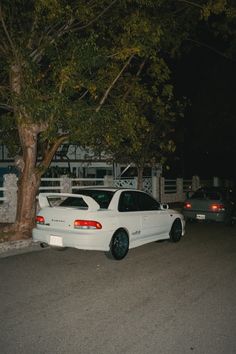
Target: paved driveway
{"x": 163, "y": 298}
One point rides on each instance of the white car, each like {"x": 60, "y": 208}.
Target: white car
{"x": 106, "y": 219}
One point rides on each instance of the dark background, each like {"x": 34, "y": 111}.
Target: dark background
{"x": 206, "y": 135}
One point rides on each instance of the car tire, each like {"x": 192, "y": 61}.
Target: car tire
{"x": 119, "y": 245}
{"x": 176, "y": 231}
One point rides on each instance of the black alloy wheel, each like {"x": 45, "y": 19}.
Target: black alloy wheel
{"x": 176, "y": 231}
{"x": 119, "y": 245}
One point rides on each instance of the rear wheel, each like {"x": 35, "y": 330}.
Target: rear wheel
{"x": 119, "y": 245}
{"x": 176, "y": 231}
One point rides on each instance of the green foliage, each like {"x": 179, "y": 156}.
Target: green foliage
{"x": 97, "y": 71}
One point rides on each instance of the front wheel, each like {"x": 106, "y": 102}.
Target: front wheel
{"x": 176, "y": 231}
{"x": 119, "y": 245}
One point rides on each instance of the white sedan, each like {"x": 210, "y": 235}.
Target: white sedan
{"x": 106, "y": 219}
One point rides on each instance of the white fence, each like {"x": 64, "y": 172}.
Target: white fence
{"x": 164, "y": 190}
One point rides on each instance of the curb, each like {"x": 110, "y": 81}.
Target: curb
{"x": 11, "y": 248}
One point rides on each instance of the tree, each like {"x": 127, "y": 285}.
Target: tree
{"x": 143, "y": 132}
{"x": 69, "y": 68}
{"x": 50, "y": 70}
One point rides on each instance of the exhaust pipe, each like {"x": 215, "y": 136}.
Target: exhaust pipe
{"x": 44, "y": 245}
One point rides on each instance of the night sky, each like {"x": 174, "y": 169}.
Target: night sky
{"x": 208, "y": 80}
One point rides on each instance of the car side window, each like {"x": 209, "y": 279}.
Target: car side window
{"x": 127, "y": 202}
{"x": 146, "y": 202}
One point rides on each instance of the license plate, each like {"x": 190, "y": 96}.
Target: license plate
{"x": 200, "y": 217}
{"x": 56, "y": 241}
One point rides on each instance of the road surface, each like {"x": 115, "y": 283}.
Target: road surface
{"x": 163, "y": 298}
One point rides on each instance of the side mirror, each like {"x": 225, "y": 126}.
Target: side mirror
{"x": 164, "y": 206}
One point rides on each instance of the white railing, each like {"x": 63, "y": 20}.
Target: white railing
{"x": 170, "y": 186}
{"x": 50, "y": 185}
{"x": 125, "y": 183}
{"x": 147, "y": 185}
{"x": 78, "y": 182}
{"x": 58, "y": 184}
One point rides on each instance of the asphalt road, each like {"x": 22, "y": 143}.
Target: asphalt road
{"x": 163, "y": 298}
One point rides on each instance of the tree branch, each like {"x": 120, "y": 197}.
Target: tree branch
{"x": 49, "y": 38}
{"x": 50, "y": 152}
{"x": 201, "y": 44}
{"x": 7, "y": 34}
{"x": 34, "y": 24}
{"x": 6, "y": 107}
{"x": 191, "y": 3}
{"x": 113, "y": 84}
{"x": 137, "y": 75}
{"x": 96, "y": 18}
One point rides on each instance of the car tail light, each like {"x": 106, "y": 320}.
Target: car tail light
{"x": 87, "y": 224}
{"x": 187, "y": 206}
{"x": 217, "y": 207}
{"x": 40, "y": 220}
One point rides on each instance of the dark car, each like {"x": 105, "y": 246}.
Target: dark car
{"x": 211, "y": 204}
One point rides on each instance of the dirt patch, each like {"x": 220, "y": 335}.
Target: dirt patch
{"x": 5, "y": 235}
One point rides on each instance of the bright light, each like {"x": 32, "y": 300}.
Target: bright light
{"x": 217, "y": 207}
{"x": 87, "y": 224}
{"x": 40, "y": 220}
{"x": 187, "y": 206}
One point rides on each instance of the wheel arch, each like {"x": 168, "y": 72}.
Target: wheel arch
{"x": 120, "y": 229}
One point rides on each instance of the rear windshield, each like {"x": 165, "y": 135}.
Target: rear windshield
{"x": 74, "y": 202}
{"x": 207, "y": 194}
{"x": 102, "y": 197}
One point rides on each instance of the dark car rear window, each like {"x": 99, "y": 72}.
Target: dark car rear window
{"x": 208, "y": 194}
{"x": 214, "y": 195}
{"x": 74, "y": 203}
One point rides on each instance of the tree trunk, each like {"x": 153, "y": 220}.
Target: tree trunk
{"x": 30, "y": 175}
{"x": 140, "y": 177}
{"x": 28, "y": 184}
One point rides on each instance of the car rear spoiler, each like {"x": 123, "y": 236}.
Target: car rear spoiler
{"x": 44, "y": 202}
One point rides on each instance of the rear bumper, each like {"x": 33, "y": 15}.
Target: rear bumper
{"x": 98, "y": 240}
{"x": 202, "y": 215}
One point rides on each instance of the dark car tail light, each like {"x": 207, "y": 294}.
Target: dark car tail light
{"x": 187, "y": 205}
{"x": 87, "y": 224}
{"x": 40, "y": 220}
{"x": 217, "y": 207}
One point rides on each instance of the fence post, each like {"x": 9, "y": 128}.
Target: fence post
{"x": 162, "y": 190}
{"x": 155, "y": 187}
{"x": 195, "y": 183}
{"x": 108, "y": 181}
{"x": 180, "y": 189}
{"x": 65, "y": 184}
